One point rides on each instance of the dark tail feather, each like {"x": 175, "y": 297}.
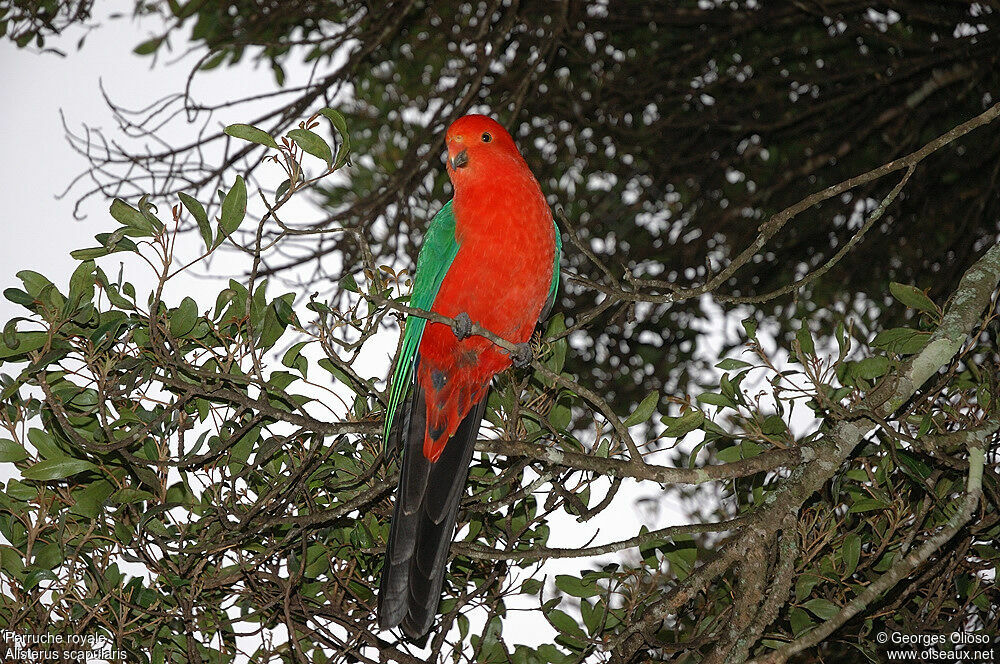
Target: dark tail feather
{"x": 423, "y": 520}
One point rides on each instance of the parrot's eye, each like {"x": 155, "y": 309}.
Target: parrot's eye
{"x": 486, "y": 137}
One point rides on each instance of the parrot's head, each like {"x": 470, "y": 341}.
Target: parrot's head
{"x": 477, "y": 145}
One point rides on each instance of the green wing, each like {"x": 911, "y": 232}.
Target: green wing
{"x": 554, "y": 288}
{"x": 436, "y": 256}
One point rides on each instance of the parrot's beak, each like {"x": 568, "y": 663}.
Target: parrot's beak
{"x": 461, "y": 160}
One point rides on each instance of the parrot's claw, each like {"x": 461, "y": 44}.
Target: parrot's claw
{"x": 461, "y": 325}
{"x": 522, "y": 355}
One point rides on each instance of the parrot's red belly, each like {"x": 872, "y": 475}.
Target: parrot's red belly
{"x": 501, "y": 278}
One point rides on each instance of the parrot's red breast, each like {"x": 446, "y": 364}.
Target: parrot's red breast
{"x": 500, "y": 276}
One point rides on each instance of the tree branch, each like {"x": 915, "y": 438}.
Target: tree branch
{"x": 770, "y": 460}
{"x": 903, "y": 568}
{"x": 538, "y": 553}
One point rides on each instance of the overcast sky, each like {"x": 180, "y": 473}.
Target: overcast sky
{"x": 38, "y": 163}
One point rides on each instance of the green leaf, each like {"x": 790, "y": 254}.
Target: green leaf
{"x": 885, "y": 562}
{"x": 149, "y": 46}
{"x": 279, "y": 74}
{"x": 575, "y": 586}
{"x": 531, "y": 587}
{"x": 234, "y": 209}
{"x": 82, "y": 280}
{"x": 21, "y": 491}
{"x": 48, "y": 556}
{"x": 644, "y": 410}
{"x": 280, "y": 380}
{"x": 11, "y": 561}
{"x": 560, "y": 416}
{"x": 773, "y": 425}
{"x": 912, "y": 297}
{"x": 183, "y": 319}
{"x": 26, "y": 342}
{"x": 745, "y": 450}
{"x": 313, "y": 144}
{"x": 867, "y": 505}
{"x": 197, "y": 211}
{"x": 128, "y": 495}
{"x": 57, "y": 469}
{"x": 216, "y": 59}
{"x": 681, "y": 556}
{"x": 603, "y": 448}
{"x": 901, "y": 340}
{"x": 730, "y": 364}
{"x": 148, "y": 211}
{"x": 293, "y": 355}
{"x": 274, "y": 324}
{"x": 716, "y": 400}
{"x": 282, "y": 189}
{"x": 347, "y": 282}
{"x": 127, "y": 215}
{"x": 338, "y": 121}
{"x": 18, "y": 296}
{"x": 12, "y": 451}
{"x": 591, "y": 616}
{"x": 89, "y": 253}
{"x": 33, "y": 282}
{"x": 683, "y": 425}
{"x": 871, "y": 368}
{"x": 91, "y": 500}
{"x": 10, "y": 339}
{"x": 252, "y": 134}
{"x": 549, "y": 653}
{"x": 913, "y": 465}
{"x": 117, "y": 241}
{"x": 565, "y": 624}
{"x": 559, "y": 348}
{"x": 851, "y": 554}
{"x": 45, "y": 444}
{"x": 799, "y": 620}
{"x": 822, "y": 608}
{"x": 804, "y": 585}
{"x": 240, "y": 452}
{"x": 283, "y": 309}
{"x": 805, "y": 339}
{"x": 114, "y": 296}
{"x": 34, "y": 577}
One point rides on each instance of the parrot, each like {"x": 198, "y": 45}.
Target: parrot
{"x": 490, "y": 256}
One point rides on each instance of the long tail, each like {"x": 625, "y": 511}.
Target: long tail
{"x": 423, "y": 521}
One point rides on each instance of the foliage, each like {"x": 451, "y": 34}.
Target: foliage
{"x": 178, "y": 491}
{"x": 666, "y": 171}
{"x": 197, "y": 479}
{"x": 28, "y": 22}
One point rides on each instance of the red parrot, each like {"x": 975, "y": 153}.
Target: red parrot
{"x": 490, "y": 256}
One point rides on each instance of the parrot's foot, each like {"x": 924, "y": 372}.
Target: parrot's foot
{"x": 522, "y": 355}
{"x": 461, "y": 325}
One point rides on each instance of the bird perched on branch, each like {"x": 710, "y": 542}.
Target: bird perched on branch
{"x": 490, "y": 257}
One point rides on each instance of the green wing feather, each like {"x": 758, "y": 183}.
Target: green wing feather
{"x": 554, "y": 288}
{"x": 436, "y": 256}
